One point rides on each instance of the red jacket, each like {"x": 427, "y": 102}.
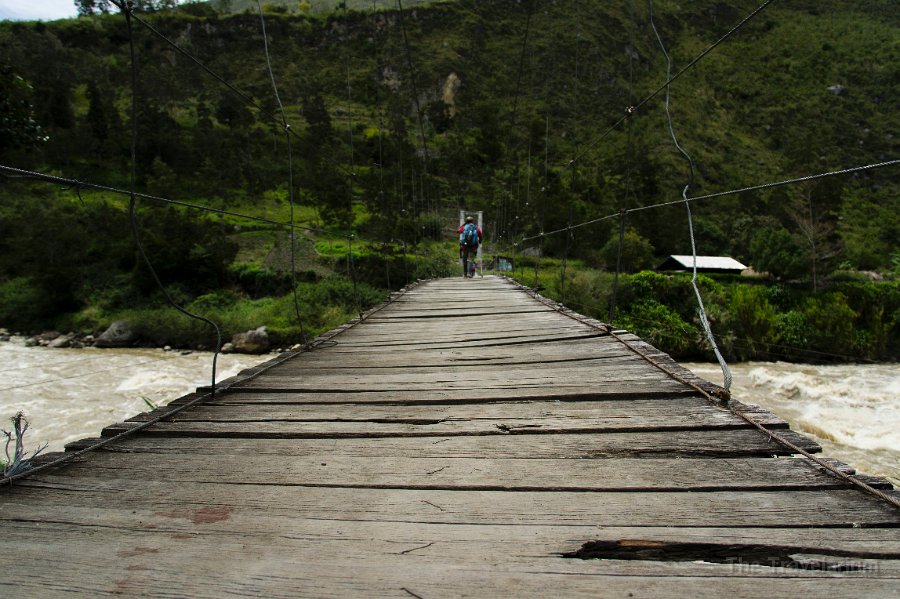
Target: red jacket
{"x": 480, "y": 234}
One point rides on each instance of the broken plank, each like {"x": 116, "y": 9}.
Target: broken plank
{"x": 153, "y": 564}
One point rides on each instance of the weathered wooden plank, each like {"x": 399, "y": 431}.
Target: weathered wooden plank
{"x": 459, "y": 313}
{"x": 311, "y": 420}
{"x": 840, "y": 508}
{"x": 683, "y": 412}
{"x": 449, "y": 324}
{"x": 444, "y": 540}
{"x": 533, "y": 312}
{"x": 468, "y": 364}
{"x": 476, "y": 362}
{"x": 590, "y": 348}
{"x": 393, "y": 580}
{"x": 636, "y": 390}
{"x": 327, "y": 429}
{"x": 309, "y": 541}
{"x": 543, "y": 317}
{"x": 535, "y": 474}
{"x": 708, "y": 443}
{"x": 439, "y": 341}
{"x": 456, "y": 306}
{"x": 501, "y": 389}
{"x": 561, "y": 331}
{"x": 528, "y": 374}
{"x": 461, "y": 296}
{"x": 525, "y": 377}
{"x": 279, "y": 566}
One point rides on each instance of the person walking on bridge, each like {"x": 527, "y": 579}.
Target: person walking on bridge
{"x": 470, "y": 237}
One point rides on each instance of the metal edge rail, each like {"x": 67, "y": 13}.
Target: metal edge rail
{"x": 715, "y": 394}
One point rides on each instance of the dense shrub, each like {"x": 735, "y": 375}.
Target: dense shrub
{"x": 661, "y": 326}
{"x": 830, "y": 322}
{"x": 323, "y": 305}
{"x": 23, "y": 305}
{"x": 750, "y": 319}
{"x": 636, "y": 253}
{"x": 778, "y": 252}
{"x": 387, "y": 265}
{"x": 260, "y": 282}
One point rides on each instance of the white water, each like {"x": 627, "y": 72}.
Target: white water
{"x": 71, "y": 394}
{"x": 852, "y": 410}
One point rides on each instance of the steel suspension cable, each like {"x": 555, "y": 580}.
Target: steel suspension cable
{"x": 351, "y": 267}
{"x": 286, "y": 128}
{"x": 126, "y": 7}
{"x": 566, "y": 257}
{"x": 132, "y": 209}
{"x": 726, "y": 371}
{"x": 836, "y": 173}
{"x": 615, "y": 293}
{"x": 513, "y": 227}
{"x": 170, "y": 411}
{"x": 412, "y": 74}
{"x": 846, "y": 171}
{"x": 631, "y": 110}
{"x": 243, "y": 95}
{"x": 11, "y": 171}
{"x": 628, "y": 160}
{"x": 772, "y": 434}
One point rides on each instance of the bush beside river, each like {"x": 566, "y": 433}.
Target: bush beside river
{"x": 846, "y": 319}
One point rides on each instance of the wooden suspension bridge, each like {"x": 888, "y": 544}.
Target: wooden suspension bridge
{"x": 465, "y": 438}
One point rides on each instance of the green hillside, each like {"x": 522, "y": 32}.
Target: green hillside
{"x": 314, "y": 7}
{"x": 399, "y": 120}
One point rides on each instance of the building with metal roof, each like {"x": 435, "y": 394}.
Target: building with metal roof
{"x": 705, "y": 264}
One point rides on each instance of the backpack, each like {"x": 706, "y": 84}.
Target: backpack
{"x": 469, "y": 235}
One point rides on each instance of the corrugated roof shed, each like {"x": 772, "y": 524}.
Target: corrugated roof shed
{"x": 704, "y": 264}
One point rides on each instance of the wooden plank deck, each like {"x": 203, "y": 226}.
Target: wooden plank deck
{"x": 463, "y": 440}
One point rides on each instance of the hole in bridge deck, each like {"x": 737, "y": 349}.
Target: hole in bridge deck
{"x": 775, "y": 556}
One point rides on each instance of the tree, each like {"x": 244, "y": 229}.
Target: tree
{"x": 96, "y": 115}
{"x": 18, "y": 125}
{"x": 185, "y": 250}
{"x": 87, "y": 8}
{"x": 637, "y": 252}
{"x": 325, "y": 186}
{"x": 154, "y": 5}
{"x": 776, "y": 251}
{"x": 814, "y": 229}
{"x": 869, "y": 227}
{"x": 233, "y": 112}
{"x": 103, "y": 120}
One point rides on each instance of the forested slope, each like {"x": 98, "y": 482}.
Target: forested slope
{"x": 399, "y": 119}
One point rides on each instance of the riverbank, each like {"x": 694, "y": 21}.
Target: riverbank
{"x": 69, "y": 394}
{"x": 120, "y": 336}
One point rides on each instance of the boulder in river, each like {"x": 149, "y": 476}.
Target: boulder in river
{"x": 46, "y": 337}
{"x": 251, "y": 342}
{"x": 119, "y": 334}
{"x": 62, "y": 341}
